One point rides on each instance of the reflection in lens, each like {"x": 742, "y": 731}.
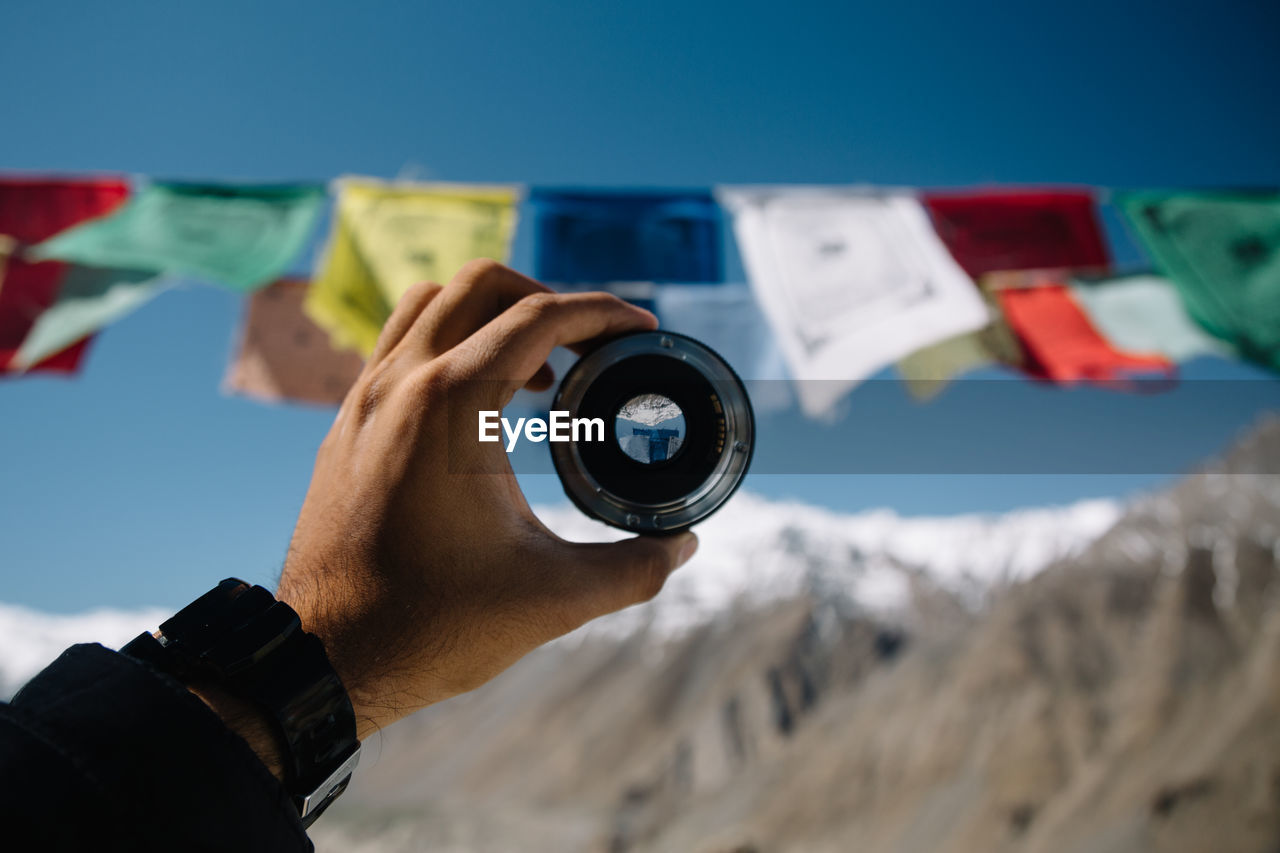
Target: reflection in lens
{"x": 650, "y": 428}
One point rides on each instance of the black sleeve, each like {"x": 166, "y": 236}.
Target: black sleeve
{"x": 100, "y": 752}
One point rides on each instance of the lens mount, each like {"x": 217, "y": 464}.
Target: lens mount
{"x": 678, "y": 432}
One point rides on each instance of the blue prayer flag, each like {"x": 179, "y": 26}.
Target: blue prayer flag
{"x": 603, "y": 236}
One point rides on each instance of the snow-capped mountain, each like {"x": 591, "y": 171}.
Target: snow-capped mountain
{"x": 1045, "y": 680}
{"x": 1090, "y": 677}
{"x": 650, "y": 409}
{"x": 753, "y": 551}
{"x": 757, "y": 550}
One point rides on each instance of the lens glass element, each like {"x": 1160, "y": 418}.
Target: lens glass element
{"x": 650, "y": 428}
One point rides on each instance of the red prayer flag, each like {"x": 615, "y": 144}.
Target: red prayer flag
{"x": 995, "y": 230}
{"x": 1062, "y": 345}
{"x": 32, "y": 210}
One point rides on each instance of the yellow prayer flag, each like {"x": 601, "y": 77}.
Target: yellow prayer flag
{"x": 388, "y": 236}
{"x": 929, "y": 370}
{"x": 344, "y": 300}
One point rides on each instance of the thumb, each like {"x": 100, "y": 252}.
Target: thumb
{"x": 618, "y": 574}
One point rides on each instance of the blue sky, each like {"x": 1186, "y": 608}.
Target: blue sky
{"x": 138, "y": 483}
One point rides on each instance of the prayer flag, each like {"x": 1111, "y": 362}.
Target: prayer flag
{"x": 7, "y": 247}
{"x": 728, "y": 319}
{"x": 725, "y": 318}
{"x": 32, "y": 210}
{"x": 1062, "y": 345}
{"x": 387, "y": 237}
{"x": 1144, "y": 313}
{"x": 850, "y": 281}
{"x": 926, "y": 372}
{"x": 1015, "y": 230}
{"x": 283, "y": 355}
{"x": 89, "y": 299}
{"x": 239, "y": 236}
{"x": 1222, "y": 250}
{"x": 606, "y": 236}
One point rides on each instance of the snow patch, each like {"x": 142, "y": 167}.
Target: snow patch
{"x": 30, "y": 639}
{"x": 756, "y": 550}
{"x": 649, "y": 409}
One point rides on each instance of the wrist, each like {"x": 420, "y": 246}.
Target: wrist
{"x": 245, "y": 655}
{"x": 246, "y": 720}
{"x": 346, "y": 622}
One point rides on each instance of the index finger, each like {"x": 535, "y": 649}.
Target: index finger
{"x": 510, "y": 348}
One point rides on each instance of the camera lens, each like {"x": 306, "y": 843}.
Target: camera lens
{"x": 678, "y": 432}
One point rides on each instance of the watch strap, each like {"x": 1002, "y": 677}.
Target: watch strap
{"x": 242, "y": 639}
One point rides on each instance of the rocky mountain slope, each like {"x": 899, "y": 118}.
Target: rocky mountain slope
{"x": 1086, "y": 681}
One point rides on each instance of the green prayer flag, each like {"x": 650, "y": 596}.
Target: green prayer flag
{"x": 89, "y": 299}
{"x": 240, "y": 236}
{"x": 1222, "y": 250}
{"x": 1144, "y": 314}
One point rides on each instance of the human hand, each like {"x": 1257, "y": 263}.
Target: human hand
{"x": 423, "y": 578}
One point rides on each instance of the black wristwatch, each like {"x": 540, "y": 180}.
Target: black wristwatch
{"x": 238, "y": 637}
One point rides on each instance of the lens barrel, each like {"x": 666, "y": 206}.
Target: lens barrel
{"x": 678, "y": 432}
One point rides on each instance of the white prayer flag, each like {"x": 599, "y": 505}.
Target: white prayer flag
{"x": 851, "y": 280}
{"x": 727, "y": 318}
